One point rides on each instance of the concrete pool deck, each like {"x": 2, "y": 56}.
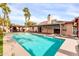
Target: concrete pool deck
{"x": 12, "y": 48}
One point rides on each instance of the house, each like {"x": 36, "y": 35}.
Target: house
{"x": 67, "y": 29}
{"x": 71, "y": 28}
{"x": 50, "y": 26}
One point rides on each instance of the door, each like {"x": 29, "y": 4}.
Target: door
{"x": 56, "y": 31}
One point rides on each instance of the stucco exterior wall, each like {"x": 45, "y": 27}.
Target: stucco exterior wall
{"x": 69, "y": 29}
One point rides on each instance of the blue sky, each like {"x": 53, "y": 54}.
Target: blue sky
{"x": 39, "y": 11}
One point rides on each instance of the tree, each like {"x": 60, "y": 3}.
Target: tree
{"x": 31, "y": 23}
{"x": 26, "y": 14}
{"x": 1, "y": 21}
{"x": 6, "y": 10}
{"x": 3, "y": 7}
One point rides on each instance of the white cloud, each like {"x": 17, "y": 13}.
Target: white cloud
{"x": 37, "y": 20}
{"x": 57, "y": 18}
{"x": 17, "y": 20}
{"x": 15, "y": 11}
{"x": 72, "y": 11}
{"x": 21, "y": 20}
{"x": 16, "y": 16}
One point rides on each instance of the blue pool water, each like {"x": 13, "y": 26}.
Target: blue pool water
{"x": 38, "y": 45}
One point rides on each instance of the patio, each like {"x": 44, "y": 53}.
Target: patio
{"x": 12, "y": 48}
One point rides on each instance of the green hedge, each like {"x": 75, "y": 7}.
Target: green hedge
{"x": 1, "y": 42}
{"x": 1, "y": 50}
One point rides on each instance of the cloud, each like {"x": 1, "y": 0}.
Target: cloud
{"x": 37, "y": 20}
{"x": 40, "y": 11}
{"x": 15, "y": 11}
{"x": 73, "y": 11}
{"x": 21, "y": 20}
{"x": 17, "y": 20}
{"x": 16, "y": 15}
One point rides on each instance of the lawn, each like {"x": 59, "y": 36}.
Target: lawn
{"x": 1, "y": 45}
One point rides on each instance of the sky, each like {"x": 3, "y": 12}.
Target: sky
{"x": 40, "y": 11}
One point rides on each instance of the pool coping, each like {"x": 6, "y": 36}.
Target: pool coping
{"x": 42, "y": 35}
{"x": 66, "y": 46}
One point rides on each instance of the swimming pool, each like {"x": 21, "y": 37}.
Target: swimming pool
{"x": 38, "y": 45}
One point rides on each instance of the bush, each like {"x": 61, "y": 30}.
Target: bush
{"x": 1, "y": 50}
{"x": 1, "y": 42}
{"x": 1, "y": 32}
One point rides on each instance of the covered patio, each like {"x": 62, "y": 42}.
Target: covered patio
{"x": 48, "y": 29}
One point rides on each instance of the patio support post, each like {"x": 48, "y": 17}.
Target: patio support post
{"x": 60, "y": 29}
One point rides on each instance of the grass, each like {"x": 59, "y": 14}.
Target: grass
{"x": 1, "y": 45}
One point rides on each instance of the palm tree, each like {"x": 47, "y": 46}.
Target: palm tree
{"x": 6, "y": 10}
{"x": 3, "y": 7}
{"x": 27, "y": 15}
{"x": 0, "y": 20}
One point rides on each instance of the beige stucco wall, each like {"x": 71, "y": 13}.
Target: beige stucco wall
{"x": 69, "y": 29}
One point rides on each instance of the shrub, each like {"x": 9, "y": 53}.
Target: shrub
{"x": 1, "y": 42}
{"x": 1, "y": 32}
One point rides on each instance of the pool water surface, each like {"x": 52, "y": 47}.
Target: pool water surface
{"x": 38, "y": 45}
